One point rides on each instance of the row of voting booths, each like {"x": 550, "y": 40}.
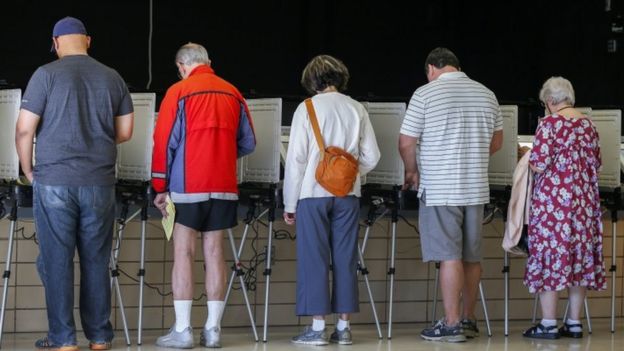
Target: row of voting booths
{"x": 260, "y": 177}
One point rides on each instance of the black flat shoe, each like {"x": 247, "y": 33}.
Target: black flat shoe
{"x": 565, "y": 331}
{"x": 539, "y": 331}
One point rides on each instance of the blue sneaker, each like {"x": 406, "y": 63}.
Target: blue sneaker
{"x": 470, "y": 328}
{"x": 440, "y": 331}
{"x": 341, "y": 337}
{"x": 311, "y": 337}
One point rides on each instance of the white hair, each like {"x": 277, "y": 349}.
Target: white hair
{"x": 192, "y": 53}
{"x": 556, "y": 90}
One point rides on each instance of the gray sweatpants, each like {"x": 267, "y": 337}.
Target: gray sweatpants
{"x": 327, "y": 233}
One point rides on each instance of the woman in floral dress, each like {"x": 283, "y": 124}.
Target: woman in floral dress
{"x": 565, "y": 227}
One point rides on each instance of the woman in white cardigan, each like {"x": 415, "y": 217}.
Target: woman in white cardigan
{"x": 327, "y": 226}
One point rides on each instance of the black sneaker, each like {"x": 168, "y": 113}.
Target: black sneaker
{"x": 442, "y": 332}
{"x": 539, "y": 331}
{"x": 470, "y": 328}
{"x": 565, "y": 331}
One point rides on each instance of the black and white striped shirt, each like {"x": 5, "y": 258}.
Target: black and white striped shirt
{"x": 454, "y": 118}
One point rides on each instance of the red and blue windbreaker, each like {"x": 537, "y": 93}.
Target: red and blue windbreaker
{"x": 203, "y": 126}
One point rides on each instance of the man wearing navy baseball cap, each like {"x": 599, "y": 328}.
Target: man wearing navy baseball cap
{"x": 79, "y": 110}
{"x": 69, "y": 26}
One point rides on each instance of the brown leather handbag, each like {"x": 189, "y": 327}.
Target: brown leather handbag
{"x": 337, "y": 169}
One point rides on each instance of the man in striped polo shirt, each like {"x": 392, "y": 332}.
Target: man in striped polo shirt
{"x": 452, "y": 125}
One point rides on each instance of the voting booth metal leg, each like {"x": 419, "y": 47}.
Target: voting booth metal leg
{"x": 141, "y": 273}
{"x": 481, "y": 293}
{"x": 434, "y": 312}
{"x": 115, "y": 269}
{"x": 613, "y": 268}
{"x": 485, "y": 309}
{"x": 267, "y": 264}
{"x": 238, "y": 271}
{"x": 589, "y": 325}
{"x": 506, "y": 283}
{"x": 535, "y": 301}
{"x": 7, "y": 267}
{"x": 362, "y": 265}
{"x": 362, "y": 268}
{"x": 391, "y": 269}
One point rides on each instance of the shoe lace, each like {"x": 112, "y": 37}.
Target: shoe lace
{"x": 440, "y": 323}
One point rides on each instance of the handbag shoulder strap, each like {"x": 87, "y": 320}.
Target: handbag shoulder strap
{"x": 315, "y": 125}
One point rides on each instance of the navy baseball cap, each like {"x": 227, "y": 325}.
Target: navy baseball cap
{"x": 68, "y": 25}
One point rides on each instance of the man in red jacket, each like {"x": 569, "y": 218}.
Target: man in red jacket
{"x": 203, "y": 126}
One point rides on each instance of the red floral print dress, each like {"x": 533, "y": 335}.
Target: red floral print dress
{"x": 565, "y": 226}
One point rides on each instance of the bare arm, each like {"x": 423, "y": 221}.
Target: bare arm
{"x": 123, "y": 127}
{"x": 497, "y": 141}
{"x": 407, "y": 149}
{"x": 25, "y": 130}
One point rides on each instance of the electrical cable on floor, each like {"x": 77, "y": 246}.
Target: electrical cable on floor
{"x": 149, "y": 44}
{"x": 413, "y": 226}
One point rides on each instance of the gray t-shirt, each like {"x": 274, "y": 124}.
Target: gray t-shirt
{"x": 77, "y": 99}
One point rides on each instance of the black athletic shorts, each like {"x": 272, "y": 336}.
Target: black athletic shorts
{"x": 206, "y": 216}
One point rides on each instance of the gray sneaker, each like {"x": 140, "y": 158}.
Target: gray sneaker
{"x": 341, "y": 337}
{"x": 175, "y": 340}
{"x": 210, "y": 338}
{"x": 311, "y": 337}
{"x": 470, "y": 328}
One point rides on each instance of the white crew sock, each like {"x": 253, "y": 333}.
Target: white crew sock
{"x": 342, "y": 325}
{"x": 183, "y": 314}
{"x": 574, "y": 329}
{"x": 215, "y": 311}
{"x": 318, "y": 324}
{"x": 550, "y": 323}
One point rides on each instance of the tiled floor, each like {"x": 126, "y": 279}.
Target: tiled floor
{"x": 405, "y": 337}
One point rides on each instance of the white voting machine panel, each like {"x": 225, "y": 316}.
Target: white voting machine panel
{"x": 134, "y": 157}
{"x": 285, "y": 136}
{"x": 10, "y": 101}
{"x": 527, "y": 140}
{"x": 622, "y": 156}
{"x": 503, "y": 162}
{"x": 386, "y": 119}
{"x": 263, "y": 165}
{"x": 609, "y": 125}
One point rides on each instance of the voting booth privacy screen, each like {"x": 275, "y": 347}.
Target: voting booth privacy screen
{"x": 386, "y": 119}
{"x": 134, "y": 157}
{"x": 10, "y": 101}
{"x": 263, "y": 165}
{"x": 503, "y": 162}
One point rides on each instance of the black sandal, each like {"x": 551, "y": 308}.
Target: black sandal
{"x": 565, "y": 331}
{"x": 539, "y": 331}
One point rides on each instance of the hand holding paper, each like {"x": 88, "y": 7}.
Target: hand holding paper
{"x": 168, "y": 219}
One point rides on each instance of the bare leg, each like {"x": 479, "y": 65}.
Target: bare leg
{"x": 576, "y": 295}
{"x": 183, "y": 257}
{"x": 472, "y": 276}
{"x": 548, "y": 301}
{"x": 215, "y": 278}
{"x": 451, "y": 283}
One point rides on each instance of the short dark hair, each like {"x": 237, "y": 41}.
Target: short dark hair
{"x": 324, "y": 71}
{"x": 440, "y": 57}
